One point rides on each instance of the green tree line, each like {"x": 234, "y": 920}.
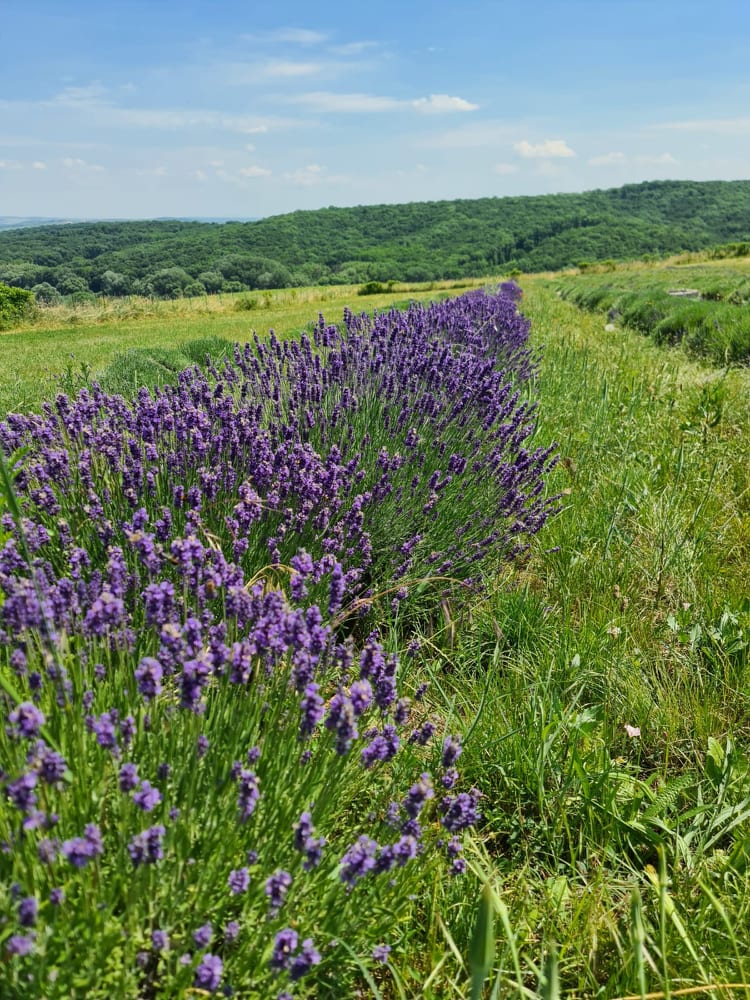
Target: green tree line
{"x": 420, "y": 241}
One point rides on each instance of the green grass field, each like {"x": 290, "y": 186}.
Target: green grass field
{"x": 701, "y": 305}
{"x": 618, "y": 863}
{"x": 63, "y": 337}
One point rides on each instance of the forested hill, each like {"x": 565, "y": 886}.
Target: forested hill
{"x": 412, "y": 242}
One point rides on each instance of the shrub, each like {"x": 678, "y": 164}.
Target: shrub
{"x": 372, "y": 288}
{"x": 16, "y": 305}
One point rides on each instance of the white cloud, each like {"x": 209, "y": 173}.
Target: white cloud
{"x": 663, "y": 159}
{"x": 325, "y": 102}
{"x": 505, "y": 168}
{"x": 606, "y": 159}
{"x": 254, "y": 171}
{"x": 38, "y": 165}
{"x": 287, "y": 68}
{"x": 313, "y": 174}
{"x": 200, "y": 175}
{"x": 10, "y": 165}
{"x": 549, "y": 149}
{"x": 74, "y": 163}
{"x": 442, "y": 103}
{"x": 299, "y": 36}
{"x": 216, "y": 163}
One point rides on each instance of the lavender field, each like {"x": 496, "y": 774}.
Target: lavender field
{"x": 401, "y": 657}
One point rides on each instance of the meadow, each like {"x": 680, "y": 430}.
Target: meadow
{"x": 562, "y": 711}
{"x": 701, "y": 305}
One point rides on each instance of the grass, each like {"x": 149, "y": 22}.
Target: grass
{"x": 633, "y": 610}
{"x": 607, "y": 865}
{"x": 711, "y": 322}
{"x": 68, "y": 340}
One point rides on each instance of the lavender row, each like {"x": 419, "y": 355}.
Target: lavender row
{"x": 387, "y": 449}
{"x": 194, "y": 759}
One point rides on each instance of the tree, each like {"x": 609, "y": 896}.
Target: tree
{"x": 113, "y": 283}
{"x": 46, "y": 294}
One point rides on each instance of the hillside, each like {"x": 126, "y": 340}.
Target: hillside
{"x": 412, "y": 242}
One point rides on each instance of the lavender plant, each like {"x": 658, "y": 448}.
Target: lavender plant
{"x": 390, "y": 449}
{"x": 198, "y": 766}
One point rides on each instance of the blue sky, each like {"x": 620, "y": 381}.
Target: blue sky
{"x": 141, "y": 109}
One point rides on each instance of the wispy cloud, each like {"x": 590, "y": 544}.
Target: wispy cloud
{"x": 438, "y": 104}
{"x": 548, "y": 150}
{"x": 290, "y": 68}
{"x": 291, "y": 36}
{"x": 254, "y": 171}
{"x": 718, "y": 126}
{"x": 660, "y": 160}
{"x": 38, "y": 165}
{"x": 11, "y": 165}
{"x": 75, "y": 163}
{"x": 504, "y": 169}
{"x": 477, "y": 135}
{"x": 606, "y": 159}
{"x": 95, "y": 95}
{"x": 353, "y": 48}
{"x": 327, "y": 102}
{"x": 299, "y": 36}
{"x": 313, "y": 174}
{"x": 160, "y": 171}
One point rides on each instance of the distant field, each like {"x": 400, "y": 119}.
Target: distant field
{"x": 67, "y": 337}
{"x": 703, "y": 306}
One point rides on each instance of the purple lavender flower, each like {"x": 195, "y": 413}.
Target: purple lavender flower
{"x": 57, "y": 896}
{"x": 160, "y": 940}
{"x": 419, "y": 793}
{"x": 48, "y": 849}
{"x": 449, "y": 779}
{"x": 303, "y": 963}
{"x": 22, "y": 791}
{"x": 231, "y": 931}
{"x": 128, "y": 777}
{"x": 147, "y": 797}
{"x": 381, "y": 952}
{"x": 452, "y": 750}
{"x": 20, "y": 944}
{"x": 26, "y": 720}
{"x": 203, "y": 935}
{"x": 51, "y": 766}
{"x": 285, "y": 944}
{"x": 27, "y": 911}
{"x": 147, "y": 847}
{"x": 277, "y": 886}
{"x": 382, "y": 747}
{"x": 148, "y": 675}
{"x": 312, "y": 708}
{"x": 209, "y": 972}
{"x": 358, "y": 860}
{"x": 80, "y": 850}
{"x": 249, "y": 794}
{"x": 238, "y": 881}
{"x": 423, "y": 735}
{"x": 459, "y": 811}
